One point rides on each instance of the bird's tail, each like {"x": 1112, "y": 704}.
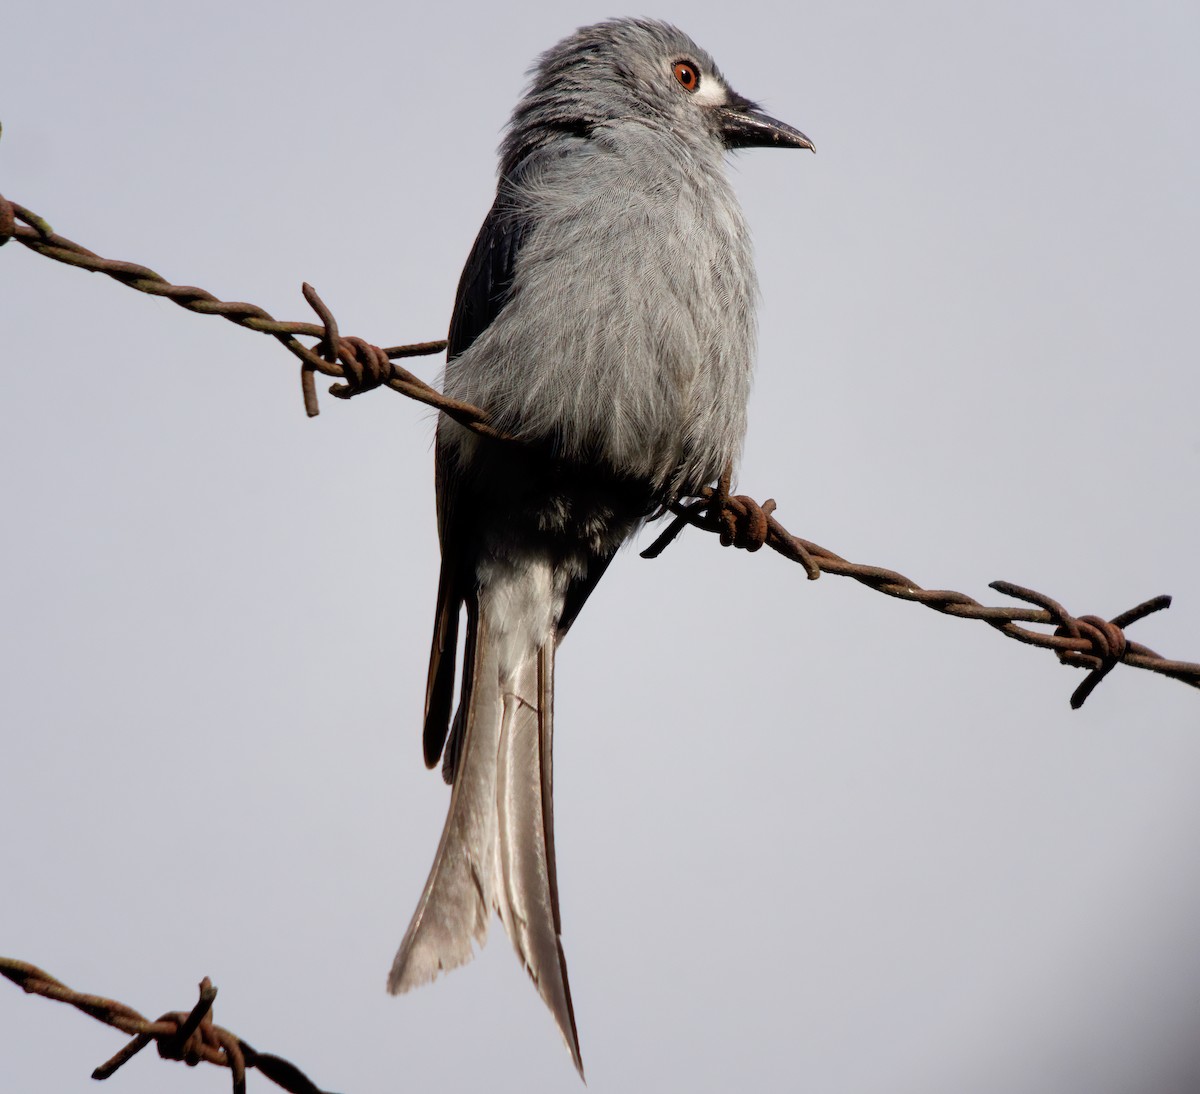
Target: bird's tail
{"x": 497, "y": 848}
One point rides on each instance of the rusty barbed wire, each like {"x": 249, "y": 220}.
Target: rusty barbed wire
{"x": 1087, "y": 641}
{"x": 187, "y": 1036}
{"x": 359, "y": 363}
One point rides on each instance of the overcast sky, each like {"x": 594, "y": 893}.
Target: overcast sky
{"x": 809, "y": 838}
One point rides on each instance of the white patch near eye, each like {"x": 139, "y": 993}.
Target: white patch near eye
{"x": 711, "y": 92}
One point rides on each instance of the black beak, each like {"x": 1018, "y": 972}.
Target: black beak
{"x": 744, "y": 125}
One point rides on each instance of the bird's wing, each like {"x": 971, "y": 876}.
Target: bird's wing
{"x": 482, "y": 293}
{"x": 488, "y": 274}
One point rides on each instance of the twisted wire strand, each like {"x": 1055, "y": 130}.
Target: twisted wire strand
{"x": 188, "y": 1036}
{"x": 1088, "y": 641}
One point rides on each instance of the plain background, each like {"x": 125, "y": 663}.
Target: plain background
{"x": 809, "y": 838}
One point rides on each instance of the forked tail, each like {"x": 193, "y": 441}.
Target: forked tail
{"x": 497, "y": 848}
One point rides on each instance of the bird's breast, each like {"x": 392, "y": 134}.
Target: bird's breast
{"x": 628, "y": 335}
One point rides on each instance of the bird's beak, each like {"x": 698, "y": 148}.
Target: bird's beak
{"x": 743, "y": 125}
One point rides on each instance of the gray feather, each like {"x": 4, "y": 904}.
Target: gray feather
{"x": 526, "y": 881}
{"x": 460, "y": 894}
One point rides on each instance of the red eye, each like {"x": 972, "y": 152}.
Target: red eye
{"x": 687, "y": 74}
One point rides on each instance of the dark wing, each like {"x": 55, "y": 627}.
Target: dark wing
{"x": 488, "y": 274}
{"x": 482, "y": 293}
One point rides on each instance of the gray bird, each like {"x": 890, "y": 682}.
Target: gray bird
{"x": 606, "y": 318}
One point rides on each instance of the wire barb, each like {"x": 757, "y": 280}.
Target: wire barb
{"x": 189, "y": 1037}
{"x": 1089, "y": 642}
{"x": 1106, "y": 644}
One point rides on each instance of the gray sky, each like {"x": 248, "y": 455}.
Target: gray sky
{"x": 808, "y": 837}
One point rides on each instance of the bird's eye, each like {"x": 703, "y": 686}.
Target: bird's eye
{"x": 687, "y": 74}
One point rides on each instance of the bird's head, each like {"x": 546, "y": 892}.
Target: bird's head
{"x": 643, "y": 71}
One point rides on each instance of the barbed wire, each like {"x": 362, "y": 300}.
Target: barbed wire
{"x": 189, "y": 1036}
{"x": 1088, "y": 642}
{"x": 360, "y": 364}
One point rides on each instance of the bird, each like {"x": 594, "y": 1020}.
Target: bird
{"x": 605, "y": 323}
